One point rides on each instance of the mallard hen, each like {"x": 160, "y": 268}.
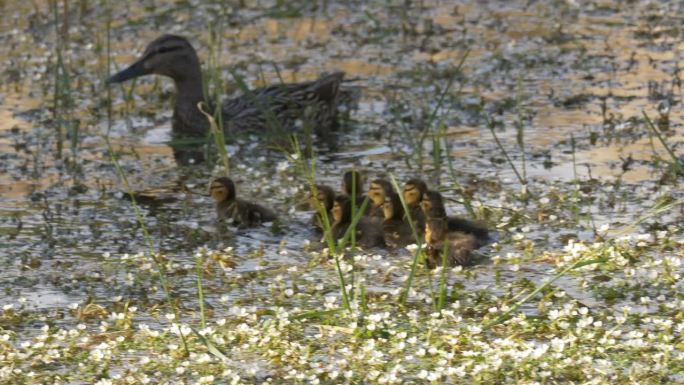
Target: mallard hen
{"x": 270, "y": 108}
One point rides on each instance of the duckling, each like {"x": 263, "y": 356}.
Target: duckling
{"x": 367, "y": 234}
{"x": 352, "y": 186}
{"x": 459, "y": 246}
{"x": 378, "y": 192}
{"x": 396, "y": 230}
{"x": 325, "y": 196}
{"x": 433, "y": 207}
{"x": 242, "y": 213}
{"x": 413, "y": 193}
{"x": 259, "y": 110}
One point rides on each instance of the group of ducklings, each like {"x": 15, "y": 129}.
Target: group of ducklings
{"x": 384, "y": 221}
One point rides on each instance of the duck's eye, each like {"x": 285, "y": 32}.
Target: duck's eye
{"x": 164, "y": 49}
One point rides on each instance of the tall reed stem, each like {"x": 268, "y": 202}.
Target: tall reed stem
{"x": 419, "y": 241}
{"x": 676, "y": 163}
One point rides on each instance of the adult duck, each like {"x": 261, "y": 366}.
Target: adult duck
{"x": 277, "y": 107}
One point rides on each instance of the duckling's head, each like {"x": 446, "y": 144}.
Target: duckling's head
{"x": 341, "y": 211}
{"x": 352, "y": 183}
{"x": 392, "y": 208}
{"x": 168, "y": 55}
{"x": 433, "y": 204}
{"x": 222, "y": 189}
{"x": 379, "y": 190}
{"x": 324, "y": 196}
{"x": 435, "y": 230}
{"x": 413, "y": 191}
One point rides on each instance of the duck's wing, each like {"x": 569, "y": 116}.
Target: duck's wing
{"x": 279, "y": 106}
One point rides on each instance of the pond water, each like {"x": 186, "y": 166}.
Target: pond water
{"x": 575, "y": 78}
{"x": 564, "y": 65}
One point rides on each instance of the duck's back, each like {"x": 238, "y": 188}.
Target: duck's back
{"x": 463, "y": 225}
{"x": 397, "y": 233}
{"x": 244, "y": 214}
{"x": 253, "y": 214}
{"x": 279, "y": 107}
{"x": 369, "y": 233}
{"x": 460, "y": 247}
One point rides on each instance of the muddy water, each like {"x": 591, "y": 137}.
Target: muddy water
{"x": 566, "y": 69}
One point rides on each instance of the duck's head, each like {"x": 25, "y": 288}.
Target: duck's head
{"x": 413, "y": 191}
{"x": 435, "y": 230}
{"x": 324, "y": 196}
{"x": 433, "y": 204}
{"x": 341, "y": 211}
{"x": 352, "y": 183}
{"x": 168, "y": 55}
{"x": 379, "y": 190}
{"x": 392, "y": 207}
{"x": 222, "y": 189}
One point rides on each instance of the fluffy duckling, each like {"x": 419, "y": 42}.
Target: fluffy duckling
{"x": 378, "y": 193}
{"x": 413, "y": 193}
{"x": 396, "y": 230}
{"x": 432, "y": 205}
{"x": 352, "y": 186}
{"x": 325, "y": 197}
{"x": 367, "y": 234}
{"x": 459, "y": 246}
{"x": 242, "y": 213}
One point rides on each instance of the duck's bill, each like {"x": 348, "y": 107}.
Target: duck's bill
{"x": 133, "y": 71}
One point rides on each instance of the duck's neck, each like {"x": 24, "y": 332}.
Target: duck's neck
{"x": 188, "y": 121}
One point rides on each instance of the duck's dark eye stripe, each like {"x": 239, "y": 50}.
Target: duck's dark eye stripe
{"x": 168, "y": 49}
